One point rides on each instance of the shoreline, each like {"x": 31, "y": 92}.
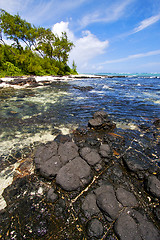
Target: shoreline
{"x": 18, "y": 82}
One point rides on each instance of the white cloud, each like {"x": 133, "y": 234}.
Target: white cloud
{"x": 86, "y": 48}
{"x": 106, "y": 14}
{"x": 58, "y": 28}
{"x": 39, "y": 12}
{"x": 134, "y": 56}
{"x": 146, "y": 23}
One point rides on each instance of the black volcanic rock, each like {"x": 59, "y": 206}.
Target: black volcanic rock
{"x": 74, "y": 174}
{"x": 100, "y": 120}
{"x": 153, "y": 186}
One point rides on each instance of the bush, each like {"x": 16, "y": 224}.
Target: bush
{"x": 10, "y": 69}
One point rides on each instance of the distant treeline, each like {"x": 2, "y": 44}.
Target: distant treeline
{"x": 33, "y": 50}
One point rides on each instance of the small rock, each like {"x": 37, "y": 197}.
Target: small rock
{"x": 52, "y": 196}
{"x": 105, "y": 151}
{"x": 95, "y": 228}
{"x": 90, "y": 155}
{"x": 95, "y": 123}
{"x": 89, "y": 205}
{"x": 127, "y": 199}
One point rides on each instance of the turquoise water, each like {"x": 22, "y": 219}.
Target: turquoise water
{"x": 39, "y": 114}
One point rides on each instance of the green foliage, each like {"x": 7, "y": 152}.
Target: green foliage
{"x": 10, "y": 69}
{"x": 43, "y": 54}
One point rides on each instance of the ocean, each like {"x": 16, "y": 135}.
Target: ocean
{"x": 31, "y": 116}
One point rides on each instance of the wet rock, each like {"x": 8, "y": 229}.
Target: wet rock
{"x": 67, "y": 151}
{"x": 96, "y": 123}
{"x": 90, "y": 155}
{"x": 100, "y": 121}
{"x": 153, "y": 186}
{"x": 95, "y": 228}
{"x": 136, "y": 162}
{"x": 126, "y": 198}
{"x": 83, "y": 89}
{"x": 105, "y": 151}
{"x": 126, "y": 228}
{"x": 89, "y": 205}
{"x": 107, "y": 202}
{"x": 74, "y": 174}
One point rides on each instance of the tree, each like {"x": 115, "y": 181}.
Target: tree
{"x": 16, "y": 29}
{"x": 40, "y": 47}
{"x": 62, "y": 47}
{"x": 74, "y": 67}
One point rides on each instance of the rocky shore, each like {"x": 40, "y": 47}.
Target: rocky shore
{"x": 91, "y": 184}
{"x": 39, "y": 81}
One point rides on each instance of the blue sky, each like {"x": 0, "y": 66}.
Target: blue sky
{"x": 109, "y": 35}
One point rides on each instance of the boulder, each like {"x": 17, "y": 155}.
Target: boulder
{"x": 126, "y": 198}
{"x": 136, "y": 162}
{"x": 126, "y": 228}
{"x": 67, "y": 151}
{"x": 50, "y": 167}
{"x": 107, "y": 202}
{"x": 74, "y": 174}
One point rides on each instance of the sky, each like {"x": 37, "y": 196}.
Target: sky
{"x": 109, "y": 36}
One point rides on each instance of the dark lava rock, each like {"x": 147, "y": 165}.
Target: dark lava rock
{"x": 50, "y": 167}
{"x": 105, "y": 151}
{"x": 153, "y": 186}
{"x": 45, "y": 152}
{"x": 89, "y": 205}
{"x": 83, "y": 89}
{"x": 127, "y": 199}
{"x": 90, "y": 155}
{"x": 52, "y": 196}
{"x": 100, "y": 121}
{"x": 107, "y": 202}
{"x": 74, "y": 174}
{"x": 146, "y": 229}
{"x": 126, "y": 228}
{"x": 67, "y": 151}
{"x": 95, "y": 228}
{"x": 136, "y": 162}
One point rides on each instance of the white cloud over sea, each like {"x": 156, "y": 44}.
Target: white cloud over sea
{"x": 86, "y": 48}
